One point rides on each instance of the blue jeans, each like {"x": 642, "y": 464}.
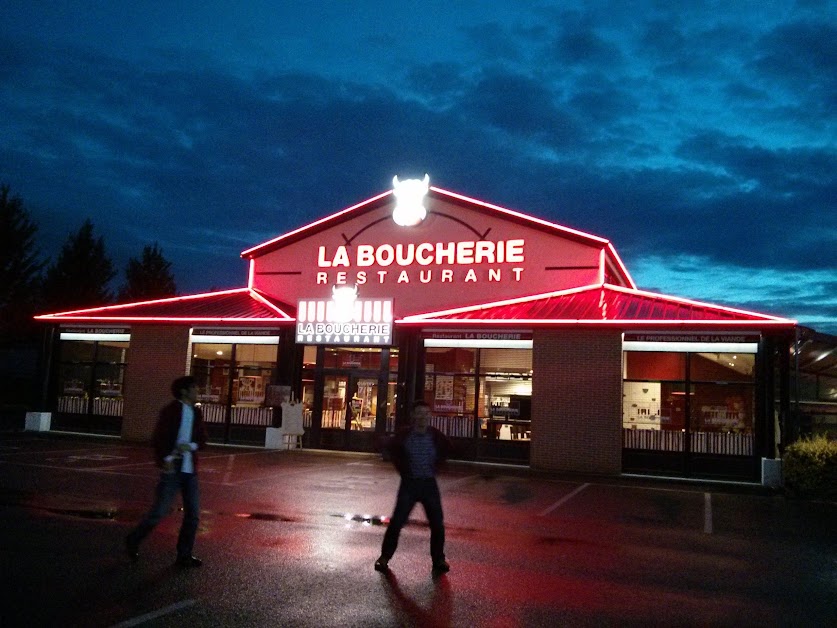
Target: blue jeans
{"x": 167, "y": 488}
{"x": 410, "y": 492}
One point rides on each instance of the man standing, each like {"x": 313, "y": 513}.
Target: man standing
{"x": 179, "y": 434}
{"x": 416, "y": 452}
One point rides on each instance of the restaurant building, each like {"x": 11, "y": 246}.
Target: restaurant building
{"x": 529, "y": 340}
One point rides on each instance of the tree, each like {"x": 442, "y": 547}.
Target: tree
{"x": 20, "y": 267}
{"x": 80, "y": 276}
{"x": 149, "y": 277}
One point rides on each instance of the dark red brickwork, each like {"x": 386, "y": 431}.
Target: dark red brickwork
{"x": 157, "y": 355}
{"x": 577, "y": 401}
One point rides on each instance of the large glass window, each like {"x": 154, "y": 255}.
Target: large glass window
{"x": 506, "y": 386}
{"x": 721, "y": 409}
{"x": 233, "y": 380}
{"x": 351, "y": 382}
{"x": 352, "y": 379}
{"x": 91, "y": 377}
{"x": 309, "y": 364}
{"x": 705, "y": 397}
{"x": 484, "y": 393}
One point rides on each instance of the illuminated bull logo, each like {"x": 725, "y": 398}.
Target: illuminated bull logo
{"x": 409, "y": 194}
{"x": 344, "y": 303}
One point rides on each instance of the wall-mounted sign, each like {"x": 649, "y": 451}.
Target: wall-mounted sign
{"x": 218, "y": 331}
{"x": 687, "y": 337}
{"x": 220, "y": 335}
{"x": 319, "y": 321}
{"x": 482, "y": 339}
{"x": 90, "y": 332}
{"x": 477, "y": 335}
{"x": 694, "y": 343}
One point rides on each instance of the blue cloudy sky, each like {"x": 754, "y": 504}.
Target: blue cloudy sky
{"x": 698, "y": 136}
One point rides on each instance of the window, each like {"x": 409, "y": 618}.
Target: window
{"x": 91, "y": 377}
{"x": 707, "y": 398}
{"x": 234, "y": 378}
{"x": 492, "y": 400}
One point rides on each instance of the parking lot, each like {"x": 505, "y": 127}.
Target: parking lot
{"x": 289, "y": 538}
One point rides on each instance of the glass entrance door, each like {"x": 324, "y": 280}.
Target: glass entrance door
{"x": 350, "y": 402}
{"x": 349, "y": 395}
{"x": 336, "y": 395}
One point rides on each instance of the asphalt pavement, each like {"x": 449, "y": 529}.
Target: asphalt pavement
{"x": 288, "y": 538}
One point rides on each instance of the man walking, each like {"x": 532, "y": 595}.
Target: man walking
{"x": 416, "y": 452}
{"x": 179, "y": 434}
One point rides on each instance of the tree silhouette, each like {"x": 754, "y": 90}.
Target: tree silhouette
{"x": 149, "y": 277}
{"x": 20, "y": 268}
{"x": 80, "y": 276}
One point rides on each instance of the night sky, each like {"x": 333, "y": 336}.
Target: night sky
{"x": 699, "y": 137}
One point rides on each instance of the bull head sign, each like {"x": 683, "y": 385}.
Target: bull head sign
{"x": 409, "y": 194}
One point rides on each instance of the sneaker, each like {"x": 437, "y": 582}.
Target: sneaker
{"x": 382, "y": 565}
{"x": 441, "y": 566}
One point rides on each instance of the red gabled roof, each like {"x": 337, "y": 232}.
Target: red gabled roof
{"x": 241, "y": 305}
{"x": 450, "y": 197}
{"x": 590, "y": 305}
{"x": 601, "y": 305}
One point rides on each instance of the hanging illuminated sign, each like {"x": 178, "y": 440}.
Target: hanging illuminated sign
{"x": 326, "y": 321}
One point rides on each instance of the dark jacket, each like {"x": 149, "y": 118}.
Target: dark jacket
{"x": 398, "y": 453}
{"x": 168, "y": 425}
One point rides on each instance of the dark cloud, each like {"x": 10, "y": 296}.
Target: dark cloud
{"x": 671, "y": 131}
{"x": 803, "y": 56}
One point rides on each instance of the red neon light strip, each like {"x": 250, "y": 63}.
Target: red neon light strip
{"x": 615, "y": 322}
{"x": 511, "y": 212}
{"x": 90, "y": 314}
{"x": 665, "y": 297}
{"x": 258, "y": 297}
{"x": 173, "y": 319}
{"x": 284, "y": 236}
{"x": 621, "y": 265}
{"x": 602, "y": 263}
{"x": 432, "y": 316}
{"x": 492, "y": 304}
{"x": 104, "y": 308}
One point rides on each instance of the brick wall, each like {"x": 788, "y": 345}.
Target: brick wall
{"x": 156, "y": 357}
{"x": 577, "y": 401}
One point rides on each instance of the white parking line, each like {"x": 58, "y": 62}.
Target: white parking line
{"x": 565, "y": 498}
{"x": 141, "y": 619}
{"x": 707, "y": 513}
